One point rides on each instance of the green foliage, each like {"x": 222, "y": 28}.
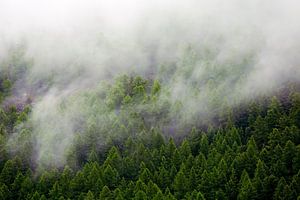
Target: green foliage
{"x": 256, "y": 157}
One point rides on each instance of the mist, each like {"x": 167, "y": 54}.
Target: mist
{"x": 79, "y": 44}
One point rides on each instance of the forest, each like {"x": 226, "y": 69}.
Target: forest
{"x": 251, "y": 151}
{"x": 149, "y": 100}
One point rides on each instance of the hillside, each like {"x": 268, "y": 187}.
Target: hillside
{"x": 250, "y": 153}
{"x": 149, "y": 100}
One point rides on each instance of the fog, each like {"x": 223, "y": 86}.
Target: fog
{"x": 81, "y": 43}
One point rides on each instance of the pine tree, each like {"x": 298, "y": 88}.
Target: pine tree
{"x": 77, "y": 184}
{"x": 145, "y": 175}
{"x": 111, "y": 176}
{"x": 176, "y": 159}
{"x": 192, "y": 179}
{"x": 105, "y": 193}
{"x": 89, "y": 196}
{"x": 93, "y": 156}
{"x": 289, "y": 153}
{"x": 155, "y": 87}
{"x": 204, "y": 145}
{"x": 65, "y": 180}
{"x": 185, "y": 149}
{"x": 163, "y": 178}
{"x": 200, "y": 165}
{"x": 168, "y": 195}
{"x": 200, "y": 196}
{"x": 247, "y": 191}
{"x": 140, "y": 195}
{"x": 94, "y": 179}
{"x": 43, "y": 197}
{"x": 140, "y": 186}
{"x": 258, "y": 181}
{"x": 206, "y": 184}
{"x": 152, "y": 189}
{"x": 118, "y": 195}
{"x": 249, "y": 158}
{"x": 295, "y": 183}
{"x": 26, "y": 187}
{"x": 220, "y": 195}
{"x": 261, "y": 131}
{"x": 276, "y": 138}
{"x": 4, "y": 191}
{"x": 157, "y": 140}
{"x": 170, "y": 149}
{"x": 180, "y": 184}
{"x": 269, "y": 186}
{"x": 222, "y": 173}
{"x": 274, "y": 113}
{"x": 283, "y": 191}
{"x": 277, "y": 165}
{"x": 55, "y": 192}
{"x": 8, "y": 172}
{"x": 158, "y": 196}
{"x": 16, "y": 186}
{"x": 231, "y": 187}
{"x": 113, "y": 159}
{"x": 35, "y": 196}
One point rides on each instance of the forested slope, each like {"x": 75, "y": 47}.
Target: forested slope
{"x": 137, "y": 99}
{"x": 247, "y": 152}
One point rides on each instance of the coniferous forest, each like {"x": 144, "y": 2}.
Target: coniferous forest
{"x": 149, "y": 100}
{"x": 251, "y": 152}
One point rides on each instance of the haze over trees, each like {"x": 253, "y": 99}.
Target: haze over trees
{"x": 153, "y": 100}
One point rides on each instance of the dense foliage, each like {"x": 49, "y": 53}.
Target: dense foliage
{"x": 134, "y": 141}
{"x": 254, "y": 153}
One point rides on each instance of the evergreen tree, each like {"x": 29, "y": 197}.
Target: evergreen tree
{"x": 26, "y": 188}
{"x": 180, "y": 184}
{"x": 140, "y": 195}
{"x": 110, "y": 176}
{"x": 168, "y": 195}
{"x": 55, "y": 192}
{"x": 274, "y": 113}
{"x": 8, "y": 172}
{"x": 258, "y": 181}
{"x": 16, "y": 186}
{"x": 35, "y": 196}
{"x": 105, "y": 193}
{"x": 289, "y": 153}
{"x": 77, "y": 184}
{"x": 185, "y": 149}
{"x": 247, "y": 191}
{"x": 4, "y": 191}
{"x": 93, "y": 157}
{"x": 200, "y": 196}
{"x": 118, "y": 195}
{"x": 158, "y": 196}
{"x": 283, "y": 191}
{"x": 231, "y": 187}
{"x": 89, "y": 196}
{"x": 204, "y": 145}
{"x": 152, "y": 189}
{"x": 261, "y": 130}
